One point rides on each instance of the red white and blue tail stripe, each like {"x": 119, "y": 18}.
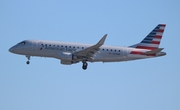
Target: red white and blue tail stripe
{"x": 153, "y": 39}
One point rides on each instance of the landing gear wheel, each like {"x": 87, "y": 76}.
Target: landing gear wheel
{"x": 85, "y": 64}
{"x": 84, "y": 67}
{"x": 27, "y": 62}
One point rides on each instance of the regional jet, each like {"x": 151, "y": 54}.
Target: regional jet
{"x": 72, "y": 53}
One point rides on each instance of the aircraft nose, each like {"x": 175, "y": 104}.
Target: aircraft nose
{"x": 12, "y": 49}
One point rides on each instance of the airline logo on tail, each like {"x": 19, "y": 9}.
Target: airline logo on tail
{"x": 151, "y": 42}
{"x": 153, "y": 39}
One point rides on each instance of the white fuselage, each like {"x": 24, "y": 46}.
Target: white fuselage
{"x": 71, "y": 53}
{"x": 53, "y": 49}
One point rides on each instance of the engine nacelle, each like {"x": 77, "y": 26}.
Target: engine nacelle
{"x": 66, "y": 62}
{"x": 67, "y": 58}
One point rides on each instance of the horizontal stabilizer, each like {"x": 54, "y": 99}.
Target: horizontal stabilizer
{"x": 155, "y": 51}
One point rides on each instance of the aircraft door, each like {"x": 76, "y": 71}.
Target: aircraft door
{"x": 34, "y": 46}
{"x": 124, "y": 52}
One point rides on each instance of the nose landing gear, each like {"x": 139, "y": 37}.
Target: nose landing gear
{"x": 28, "y": 62}
{"x": 85, "y": 64}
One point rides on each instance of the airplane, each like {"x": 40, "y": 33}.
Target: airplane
{"x": 72, "y": 53}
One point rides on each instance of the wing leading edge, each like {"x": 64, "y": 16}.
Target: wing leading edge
{"x": 90, "y": 51}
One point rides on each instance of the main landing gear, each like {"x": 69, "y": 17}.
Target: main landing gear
{"x": 85, "y": 64}
{"x": 28, "y": 62}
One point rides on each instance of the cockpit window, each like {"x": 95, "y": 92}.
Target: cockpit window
{"x": 23, "y": 42}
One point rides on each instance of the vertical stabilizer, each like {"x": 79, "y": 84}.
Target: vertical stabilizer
{"x": 153, "y": 39}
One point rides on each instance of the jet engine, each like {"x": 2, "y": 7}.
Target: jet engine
{"x": 67, "y": 58}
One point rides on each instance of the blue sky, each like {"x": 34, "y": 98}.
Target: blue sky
{"x": 150, "y": 84}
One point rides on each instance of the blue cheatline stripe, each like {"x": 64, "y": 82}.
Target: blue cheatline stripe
{"x": 153, "y": 33}
{"x": 156, "y": 29}
{"x": 149, "y": 38}
{"x": 146, "y": 41}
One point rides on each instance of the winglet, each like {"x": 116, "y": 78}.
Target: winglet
{"x": 90, "y": 51}
{"x": 101, "y": 42}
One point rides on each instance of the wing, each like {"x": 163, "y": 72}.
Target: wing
{"x": 90, "y": 51}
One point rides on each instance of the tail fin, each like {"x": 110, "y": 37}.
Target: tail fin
{"x": 153, "y": 39}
